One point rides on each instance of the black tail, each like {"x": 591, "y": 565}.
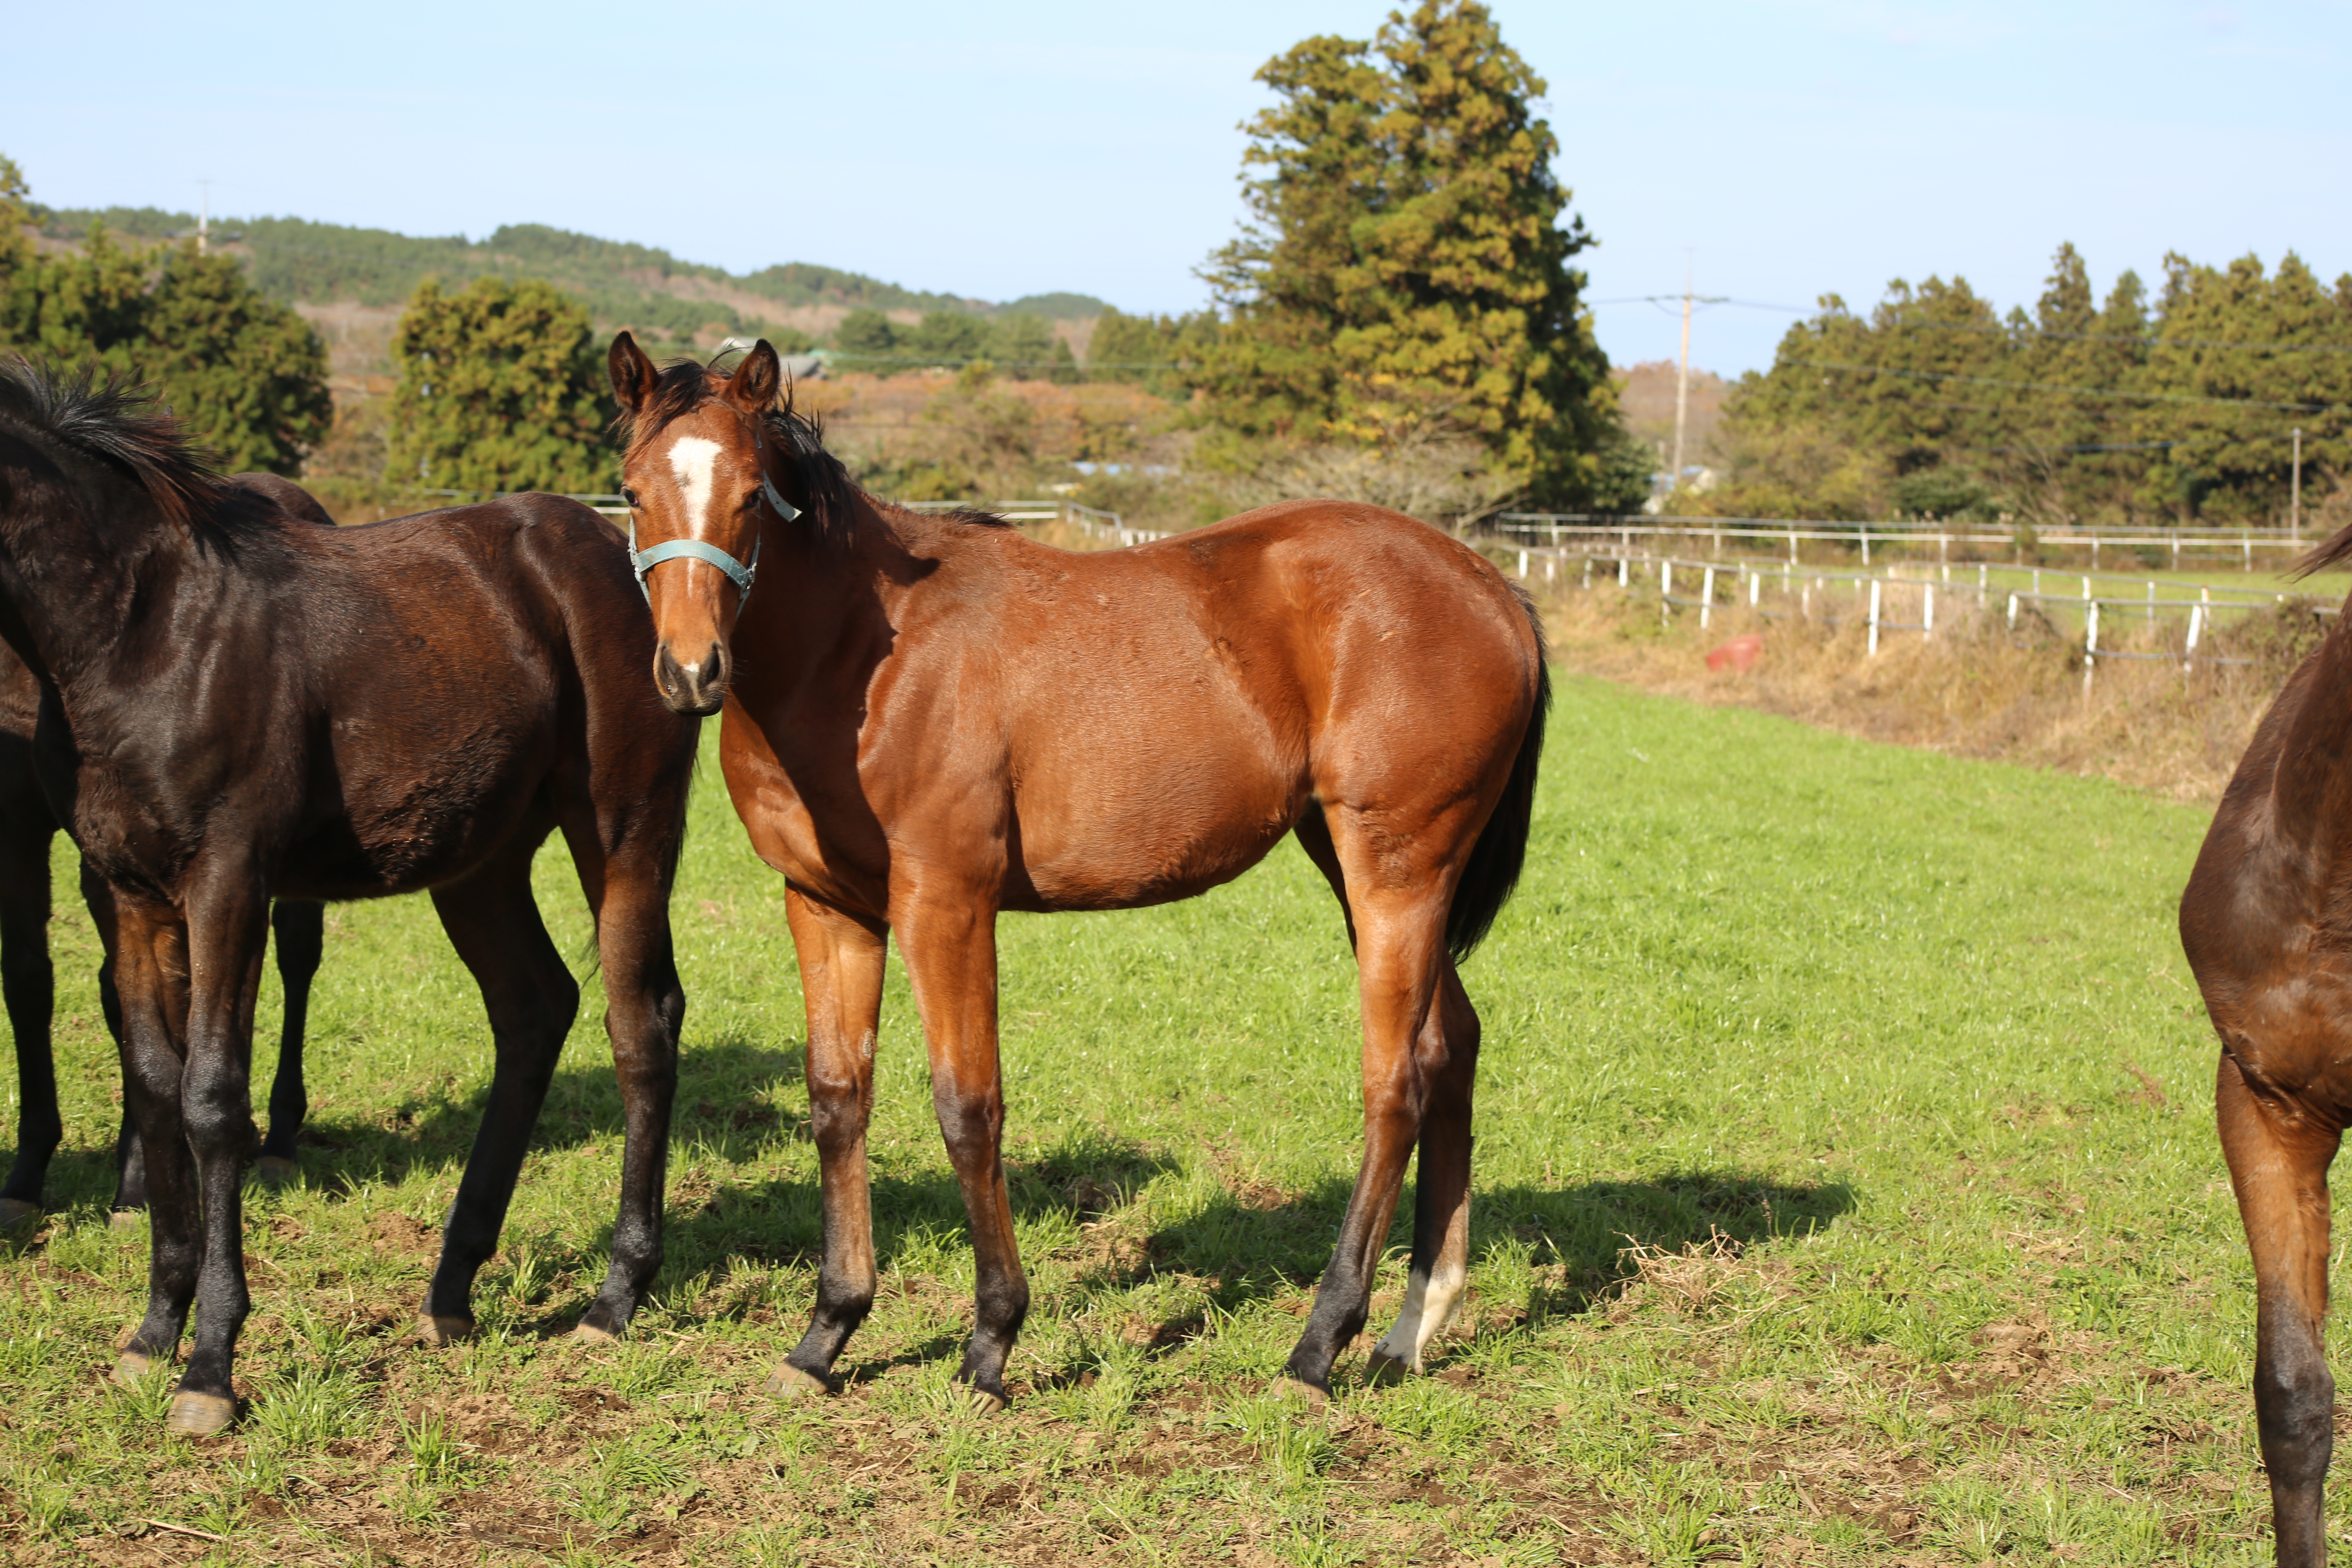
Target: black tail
{"x": 1502, "y": 848}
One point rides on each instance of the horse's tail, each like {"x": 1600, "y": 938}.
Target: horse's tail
{"x": 1502, "y": 849}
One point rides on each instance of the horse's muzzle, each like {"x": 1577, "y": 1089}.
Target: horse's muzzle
{"x": 699, "y": 687}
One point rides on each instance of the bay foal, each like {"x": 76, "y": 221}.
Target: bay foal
{"x": 2267, "y": 924}
{"x": 234, "y": 708}
{"x": 928, "y": 720}
{"x": 28, "y": 982}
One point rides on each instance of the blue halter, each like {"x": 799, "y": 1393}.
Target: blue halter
{"x": 738, "y": 572}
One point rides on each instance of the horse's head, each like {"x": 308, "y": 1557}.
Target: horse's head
{"x": 705, "y": 470}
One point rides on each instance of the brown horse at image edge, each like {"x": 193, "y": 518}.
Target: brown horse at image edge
{"x": 931, "y": 718}
{"x": 2266, "y": 921}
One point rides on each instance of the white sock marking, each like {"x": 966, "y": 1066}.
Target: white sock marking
{"x": 1430, "y": 1303}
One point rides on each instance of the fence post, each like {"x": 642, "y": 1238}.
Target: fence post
{"x": 2151, "y": 602}
{"x": 1865, "y": 544}
{"x": 1755, "y": 589}
{"x": 1666, "y": 590}
{"x": 1981, "y": 584}
{"x": 2012, "y": 612}
{"x": 2094, "y": 553}
{"x": 1873, "y": 617}
{"x": 1792, "y": 547}
{"x": 2246, "y": 538}
{"x": 2090, "y": 646}
{"x": 1706, "y": 598}
{"x": 1623, "y": 574}
{"x": 1587, "y": 574}
{"x": 1523, "y": 566}
{"x": 1929, "y": 629}
{"x": 2188, "y": 654}
{"x": 1944, "y": 553}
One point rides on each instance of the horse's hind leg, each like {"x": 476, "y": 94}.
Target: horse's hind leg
{"x": 532, "y": 998}
{"x": 28, "y": 986}
{"x": 1399, "y": 953}
{"x": 1448, "y": 1051}
{"x": 841, "y": 961}
{"x": 299, "y": 932}
{"x": 2278, "y": 1163}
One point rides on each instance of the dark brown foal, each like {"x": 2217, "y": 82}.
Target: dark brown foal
{"x": 2267, "y": 924}
{"x": 929, "y": 720}
{"x": 237, "y": 709}
{"x": 28, "y": 982}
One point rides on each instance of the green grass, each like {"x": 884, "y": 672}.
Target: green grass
{"x": 1847, "y": 1190}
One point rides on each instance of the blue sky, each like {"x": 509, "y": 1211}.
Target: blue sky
{"x": 1785, "y": 151}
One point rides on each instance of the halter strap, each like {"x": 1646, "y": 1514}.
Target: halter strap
{"x": 739, "y": 572}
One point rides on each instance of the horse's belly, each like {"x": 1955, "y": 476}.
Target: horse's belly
{"x": 1152, "y": 839}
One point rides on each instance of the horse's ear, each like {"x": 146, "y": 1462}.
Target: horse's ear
{"x": 753, "y": 387}
{"x": 633, "y": 373}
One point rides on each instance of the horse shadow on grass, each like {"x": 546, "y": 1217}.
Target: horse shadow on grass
{"x": 723, "y": 1093}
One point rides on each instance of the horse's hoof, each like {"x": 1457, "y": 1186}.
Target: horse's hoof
{"x": 1384, "y": 1369}
{"x": 1289, "y": 1387}
{"x": 275, "y": 1168}
{"x": 130, "y": 1367}
{"x": 199, "y": 1415}
{"x": 438, "y": 1331}
{"x": 15, "y": 1214}
{"x": 789, "y": 1381}
{"x": 124, "y": 1219}
{"x": 588, "y": 1333}
{"x": 983, "y": 1402}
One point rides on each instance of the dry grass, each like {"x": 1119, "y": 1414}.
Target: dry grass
{"x": 1977, "y": 688}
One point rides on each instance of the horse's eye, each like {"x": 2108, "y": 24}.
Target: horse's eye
{"x": 628, "y": 497}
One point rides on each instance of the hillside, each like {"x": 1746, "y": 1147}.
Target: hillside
{"x": 622, "y": 284}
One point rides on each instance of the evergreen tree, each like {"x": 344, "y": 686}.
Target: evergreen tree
{"x": 865, "y": 334}
{"x": 1406, "y": 267}
{"x": 245, "y": 376}
{"x": 501, "y": 388}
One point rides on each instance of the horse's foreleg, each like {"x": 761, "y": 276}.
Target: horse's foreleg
{"x": 949, "y": 939}
{"x": 2278, "y": 1164}
{"x": 28, "y": 986}
{"x": 644, "y": 1010}
{"x": 299, "y": 932}
{"x": 130, "y": 1151}
{"x": 532, "y": 998}
{"x": 1448, "y": 1049}
{"x": 226, "y": 933}
{"x": 1400, "y": 947}
{"x": 841, "y": 960}
{"x": 147, "y": 965}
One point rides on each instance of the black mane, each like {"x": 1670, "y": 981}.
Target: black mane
{"x": 115, "y": 423}
{"x": 683, "y": 386}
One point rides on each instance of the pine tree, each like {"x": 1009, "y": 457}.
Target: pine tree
{"x": 501, "y": 388}
{"x": 1406, "y": 267}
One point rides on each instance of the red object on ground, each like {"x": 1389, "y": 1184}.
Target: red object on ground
{"x": 1740, "y": 653}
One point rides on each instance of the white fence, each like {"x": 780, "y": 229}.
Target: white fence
{"x": 2196, "y": 544}
{"x": 1801, "y": 589}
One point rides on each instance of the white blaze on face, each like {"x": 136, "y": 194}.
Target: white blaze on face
{"x": 694, "y": 459}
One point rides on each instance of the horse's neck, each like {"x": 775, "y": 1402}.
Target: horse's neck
{"x": 75, "y": 580}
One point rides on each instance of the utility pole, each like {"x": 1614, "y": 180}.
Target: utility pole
{"x": 203, "y": 214}
{"x": 1681, "y": 384}
{"x": 2295, "y": 502}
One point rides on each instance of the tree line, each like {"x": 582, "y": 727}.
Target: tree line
{"x": 2176, "y": 409}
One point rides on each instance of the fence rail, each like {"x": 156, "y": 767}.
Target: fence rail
{"x": 1801, "y": 584}
{"x": 1564, "y": 528}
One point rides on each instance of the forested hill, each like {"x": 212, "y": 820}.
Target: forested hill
{"x": 294, "y": 260}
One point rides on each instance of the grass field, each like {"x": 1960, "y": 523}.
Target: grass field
{"x": 1847, "y": 1194}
